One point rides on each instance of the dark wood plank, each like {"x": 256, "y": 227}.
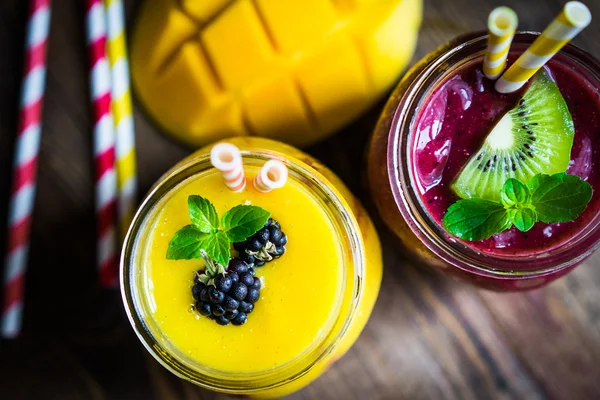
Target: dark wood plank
{"x": 429, "y": 337}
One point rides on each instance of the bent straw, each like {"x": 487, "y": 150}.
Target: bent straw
{"x": 25, "y": 166}
{"x": 502, "y": 24}
{"x": 273, "y": 175}
{"x": 574, "y": 17}
{"x": 227, "y": 158}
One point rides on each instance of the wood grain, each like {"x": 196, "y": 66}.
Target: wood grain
{"x": 429, "y": 337}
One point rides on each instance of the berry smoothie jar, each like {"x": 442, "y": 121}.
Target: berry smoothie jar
{"x": 433, "y": 125}
{"x": 314, "y": 299}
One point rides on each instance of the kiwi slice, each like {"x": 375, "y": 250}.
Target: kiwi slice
{"x": 533, "y": 138}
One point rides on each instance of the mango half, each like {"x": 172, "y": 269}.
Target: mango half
{"x": 292, "y": 70}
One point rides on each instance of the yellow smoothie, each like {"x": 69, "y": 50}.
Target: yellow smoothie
{"x": 316, "y": 298}
{"x": 301, "y": 289}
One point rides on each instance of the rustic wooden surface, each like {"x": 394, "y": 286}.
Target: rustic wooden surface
{"x": 428, "y": 338}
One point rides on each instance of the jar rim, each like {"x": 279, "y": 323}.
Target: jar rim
{"x": 419, "y": 83}
{"x": 351, "y": 290}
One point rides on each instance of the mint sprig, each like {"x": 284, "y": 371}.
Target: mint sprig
{"x": 241, "y": 221}
{"x": 560, "y": 197}
{"x": 476, "y": 219}
{"x": 203, "y": 214}
{"x": 206, "y": 235}
{"x": 547, "y": 198}
{"x": 186, "y": 243}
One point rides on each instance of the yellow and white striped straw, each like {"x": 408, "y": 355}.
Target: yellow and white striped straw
{"x": 574, "y": 17}
{"x": 122, "y": 113}
{"x": 502, "y": 24}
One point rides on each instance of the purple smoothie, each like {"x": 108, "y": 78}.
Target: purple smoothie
{"x": 454, "y": 122}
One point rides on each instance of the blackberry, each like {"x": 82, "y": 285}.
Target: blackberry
{"x": 256, "y": 284}
{"x": 239, "y": 291}
{"x": 231, "y": 314}
{"x": 230, "y": 303}
{"x": 240, "y": 319}
{"x": 226, "y": 295}
{"x": 223, "y": 283}
{"x": 238, "y": 266}
{"x": 265, "y": 245}
{"x": 247, "y": 279}
{"x": 197, "y": 290}
{"x": 252, "y": 296}
{"x": 218, "y": 310}
{"x": 203, "y": 294}
{"x": 254, "y": 244}
{"x": 204, "y": 309}
{"x": 215, "y": 295}
{"x": 246, "y": 307}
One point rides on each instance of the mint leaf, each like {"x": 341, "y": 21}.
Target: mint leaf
{"x": 216, "y": 245}
{"x": 203, "y": 214}
{"x": 523, "y": 218}
{"x": 514, "y": 193}
{"x": 516, "y": 198}
{"x": 536, "y": 182}
{"x": 243, "y": 221}
{"x": 560, "y": 197}
{"x": 476, "y": 219}
{"x": 186, "y": 243}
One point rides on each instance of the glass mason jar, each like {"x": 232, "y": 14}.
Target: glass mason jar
{"x": 361, "y": 274}
{"x": 392, "y": 182}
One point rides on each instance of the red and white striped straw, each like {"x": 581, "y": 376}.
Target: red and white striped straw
{"x": 273, "y": 175}
{"x": 227, "y": 158}
{"x": 104, "y": 144}
{"x": 25, "y": 166}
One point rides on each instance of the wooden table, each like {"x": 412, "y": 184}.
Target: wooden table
{"x": 428, "y": 338}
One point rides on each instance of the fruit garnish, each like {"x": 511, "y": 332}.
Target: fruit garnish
{"x": 533, "y": 138}
{"x": 225, "y": 294}
{"x": 265, "y": 245}
{"x": 206, "y": 234}
{"x": 545, "y": 198}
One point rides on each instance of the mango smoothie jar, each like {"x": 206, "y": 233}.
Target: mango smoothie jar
{"x": 314, "y": 299}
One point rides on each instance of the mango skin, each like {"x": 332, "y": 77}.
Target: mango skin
{"x": 292, "y": 70}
